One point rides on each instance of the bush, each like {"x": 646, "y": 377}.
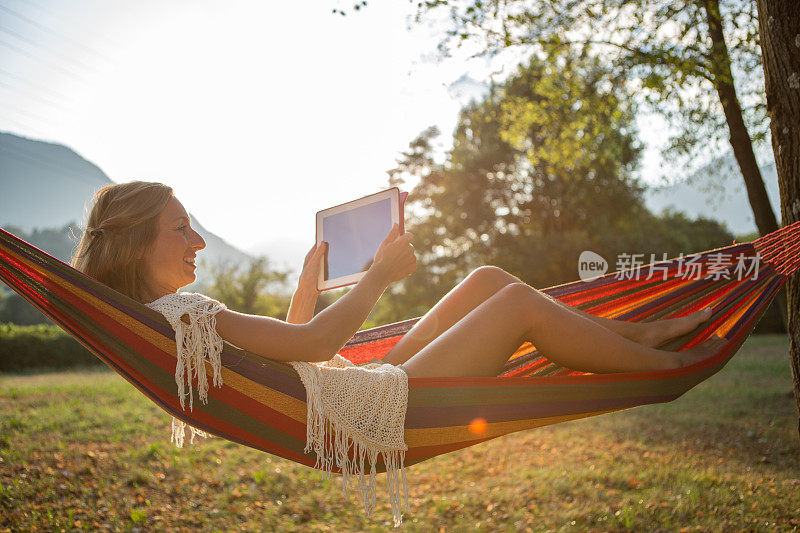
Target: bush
{"x": 40, "y": 347}
{"x": 16, "y": 309}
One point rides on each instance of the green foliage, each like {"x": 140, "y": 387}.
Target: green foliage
{"x": 540, "y": 170}
{"x": 16, "y": 309}
{"x": 58, "y": 242}
{"x": 356, "y": 6}
{"x": 663, "y": 49}
{"x": 26, "y": 348}
{"x": 138, "y": 515}
{"x": 252, "y": 289}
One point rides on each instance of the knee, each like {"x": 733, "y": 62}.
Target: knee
{"x": 523, "y": 299}
{"x": 492, "y": 276}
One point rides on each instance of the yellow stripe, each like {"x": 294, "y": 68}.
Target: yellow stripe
{"x": 288, "y": 405}
{"x": 726, "y": 326}
{"x": 416, "y": 438}
{"x": 640, "y": 301}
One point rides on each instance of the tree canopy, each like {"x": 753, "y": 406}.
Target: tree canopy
{"x": 664, "y": 49}
{"x": 540, "y": 170}
{"x": 254, "y": 288}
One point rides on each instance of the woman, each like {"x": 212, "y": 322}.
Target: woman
{"x": 139, "y": 241}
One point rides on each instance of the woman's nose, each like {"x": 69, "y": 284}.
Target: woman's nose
{"x": 198, "y": 241}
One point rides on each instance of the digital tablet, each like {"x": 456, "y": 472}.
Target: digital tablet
{"x": 353, "y": 231}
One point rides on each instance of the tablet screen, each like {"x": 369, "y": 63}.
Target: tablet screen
{"x": 353, "y": 237}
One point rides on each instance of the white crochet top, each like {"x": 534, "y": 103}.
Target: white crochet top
{"x": 354, "y": 413}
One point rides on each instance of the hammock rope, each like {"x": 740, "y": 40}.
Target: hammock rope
{"x": 781, "y": 248}
{"x": 261, "y": 403}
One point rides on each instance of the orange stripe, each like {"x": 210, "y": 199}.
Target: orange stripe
{"x": 728, "y": 324}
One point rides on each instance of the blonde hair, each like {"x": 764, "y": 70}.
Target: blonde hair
{"x": 121, "y": 227}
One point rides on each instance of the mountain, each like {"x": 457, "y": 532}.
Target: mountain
{"x": 716, "y": 191}
{"x": 47, "y": 186}
{"x": 44, "y": 185}
{"x": 285, "y": 254}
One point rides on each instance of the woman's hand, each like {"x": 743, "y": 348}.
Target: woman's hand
{"x": 395, "y": 257}
{"x": 311, "y": 267}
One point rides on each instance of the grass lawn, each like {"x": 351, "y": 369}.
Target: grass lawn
{"x": 85, "y": 450}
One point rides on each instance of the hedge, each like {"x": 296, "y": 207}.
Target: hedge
{"x": 48, "y": 347}
{"x": 39, "y": 347}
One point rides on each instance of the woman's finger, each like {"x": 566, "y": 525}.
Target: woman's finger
{"x": 390, "y": 236}
{"x": 406, "y": 237}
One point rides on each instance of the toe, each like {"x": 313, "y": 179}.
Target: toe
{"x": 704, "y": 314}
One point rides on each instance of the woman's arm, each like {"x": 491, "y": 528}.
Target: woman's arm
{"x": 304, "y": 299}
{"x": 317, "y": 340}
{"x": 326, "y": 333}
{"x": 301, "y": 308}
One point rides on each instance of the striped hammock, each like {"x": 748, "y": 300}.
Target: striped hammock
{"x": 262, "y": 403}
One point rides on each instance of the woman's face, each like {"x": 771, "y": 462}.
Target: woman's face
{"x": 169, "y": 264}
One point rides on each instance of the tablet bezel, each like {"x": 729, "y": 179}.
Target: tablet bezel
{"x": 393, "y": 194}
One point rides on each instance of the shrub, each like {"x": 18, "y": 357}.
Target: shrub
{"x": 40, "y": 347}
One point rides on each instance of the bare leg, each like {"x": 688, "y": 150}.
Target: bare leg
{"x": 473, "y": 290}
{"x": 650, "y": 334}
{"x": 485, "y": 281}
{"x": 480, "y": 343}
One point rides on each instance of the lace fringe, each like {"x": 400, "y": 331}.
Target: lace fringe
{"x": 196, "y": 345}
{"x": 336, "y": 445}
{"x": 179, "y": 432}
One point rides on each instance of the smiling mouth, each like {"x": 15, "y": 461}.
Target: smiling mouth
{"x": 189, "y": 260}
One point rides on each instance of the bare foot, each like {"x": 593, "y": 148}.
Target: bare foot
{"x": 658, "y": 332}
{"x": 703, "y": 350}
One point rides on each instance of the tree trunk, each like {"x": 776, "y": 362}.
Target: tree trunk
{"x": 740, "y": 139}
{"x": 779, "y": 29}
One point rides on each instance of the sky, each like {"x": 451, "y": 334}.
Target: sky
{"x": 258, "y": 114}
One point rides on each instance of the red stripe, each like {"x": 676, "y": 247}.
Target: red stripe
{"x": 642, "y": 294}
{"x": 638, "y": 279}
{"x": 365, "y": 352}
{"x": 590, "y": 295}
{"x": 253, "y": 440}
{"x": 258, "y": 411}
{"x": 532, "y": 366}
